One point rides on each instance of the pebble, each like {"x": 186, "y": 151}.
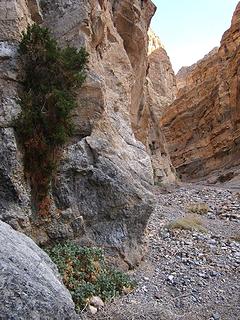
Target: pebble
{"x": 216, "y": 316}
{"x": 191, "y": 268}
{"x": 157, "y": 295}
{"x": 213, "y": 273}
{"x": 170, "y": 278}
{"x": 96, "y": 302}
{"x": 92, "y": 309}
{"x": 212, "y": 242}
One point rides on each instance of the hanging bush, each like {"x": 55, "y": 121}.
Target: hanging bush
{"x": 51, "y": 78}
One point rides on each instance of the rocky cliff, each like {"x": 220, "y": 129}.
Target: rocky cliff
{"x": 160, "y": 92}
{"x": 202, "y": 126}
{"x": 101, "y": 194}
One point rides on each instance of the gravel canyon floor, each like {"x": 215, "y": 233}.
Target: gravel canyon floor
{"x": 187, "y": 274}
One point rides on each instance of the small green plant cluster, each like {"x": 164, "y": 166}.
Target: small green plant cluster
{"x": 86, "y": 274}
{"x": 48, "y": 95}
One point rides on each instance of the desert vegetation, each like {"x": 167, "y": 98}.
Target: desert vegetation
{"x": 51, "y": 78}
{"x": 86, "y": 274}
{"x": 188, "y": 222}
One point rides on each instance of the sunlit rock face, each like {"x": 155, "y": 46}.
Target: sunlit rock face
{"x": 202, "y": 126}
{"x": 101, "y": 193}
{"x": 160, "y": 91}
{"x": 154, "y": 84}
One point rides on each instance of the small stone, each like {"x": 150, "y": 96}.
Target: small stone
{"x": 203, "y": 275}
{"x": 92, "y": 309}
{"x": 144, "y": 289}
{"x": 170, "y": 277}
{"x": 216, "y": 316}
{"x": 212, "y": 242}
{"x": 133, "y": 301}
{"x": 213, "y": 273}
{"x": 127, "y": 290}
{"x": 96, "y": 302}
{"x": 157, "y": 295}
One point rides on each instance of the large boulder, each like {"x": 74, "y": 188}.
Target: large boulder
{"x": 30, "y": 286}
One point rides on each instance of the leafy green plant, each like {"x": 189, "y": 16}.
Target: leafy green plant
{"x": 48, "y": 95}
{"x": 86, "y": 274}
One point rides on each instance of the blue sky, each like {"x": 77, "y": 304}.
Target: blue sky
{"x": 189, "y": 29}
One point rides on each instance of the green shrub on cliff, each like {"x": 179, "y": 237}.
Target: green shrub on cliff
{"x": 48, "y": 95}
{"x": 86, "y": 274}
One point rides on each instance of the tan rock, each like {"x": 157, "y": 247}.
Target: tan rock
{"x": 202, "y": 126}
{"x": 159, "y": 93}
{"x": 92, "y": 309}
{"x": 96, "y": 302}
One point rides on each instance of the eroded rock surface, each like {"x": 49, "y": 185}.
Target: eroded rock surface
{"x": 160, "y": 92}
{"x": 101, "y": 194}
{"x": 30, "y": 286}
{"x": 202, "y": 126}
{"x": 14, "y": 192}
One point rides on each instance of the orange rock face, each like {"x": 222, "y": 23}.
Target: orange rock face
{"x": 157, "y": 94}
{"x": 160, "y": 92}
{"x": 202, "y": 126}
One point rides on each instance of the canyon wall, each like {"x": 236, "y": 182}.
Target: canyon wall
{"x": 202, "y": 126}
{"x": 101, "y": 194}
{"x": 160, "y": 92}
{"x": 156, "y": 95}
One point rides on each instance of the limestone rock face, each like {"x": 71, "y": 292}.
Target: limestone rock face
{"x": 101, "y": 194}
{"x": 158, "y": 93}
{"x": 30, "y": 286}
{"x": 202, "y": 126}
{"x": 14, "y": 193}
{"x": 160, "y": 70}
{"x": 132, "y": 19}
{"x": 154, "y": 85}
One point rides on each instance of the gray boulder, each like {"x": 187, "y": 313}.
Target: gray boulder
{"x": 30, "y": 286}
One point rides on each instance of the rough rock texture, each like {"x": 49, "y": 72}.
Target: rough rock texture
{"x": 101, "y": 194}
{"x": 185, "y": 73}
{"x": 14, "y": 193}
{"x": 154, "y": 84}
{"x": 202, "y": 126}
{"x": 29, "y": 282}
{"x": 160, "y": 70}
{"x": 160, "y": 92}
